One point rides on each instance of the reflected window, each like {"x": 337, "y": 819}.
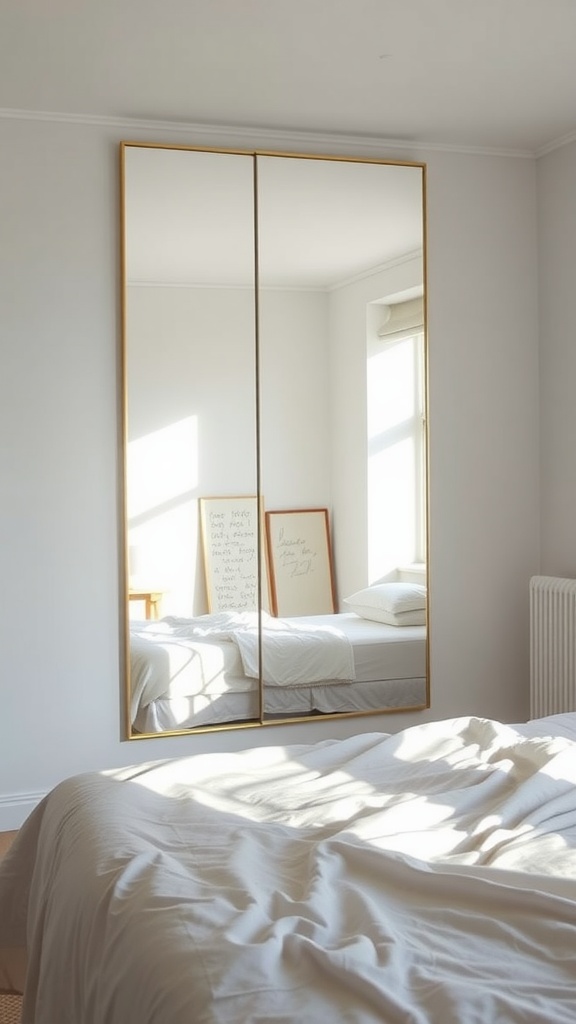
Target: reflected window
{"x": 396, "y": 453}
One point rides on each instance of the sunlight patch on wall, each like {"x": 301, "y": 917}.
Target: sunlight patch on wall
{"x": 162, "y": 478}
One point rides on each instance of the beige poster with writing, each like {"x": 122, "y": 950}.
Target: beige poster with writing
{"x": 232, "y": 555}
{"x": 300, "y": 561}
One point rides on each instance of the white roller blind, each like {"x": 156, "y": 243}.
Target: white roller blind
{"x": 402, "y": 318}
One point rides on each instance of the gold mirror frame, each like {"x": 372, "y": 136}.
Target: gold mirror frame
{"x": 150, "y": 594}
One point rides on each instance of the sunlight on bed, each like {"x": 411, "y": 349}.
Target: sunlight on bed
{"x": 274, "y": 780}
{"x": 470, "y": 792}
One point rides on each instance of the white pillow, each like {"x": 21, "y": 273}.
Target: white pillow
{"x": 417, "y": 618}
{"x": 397, "y": 604}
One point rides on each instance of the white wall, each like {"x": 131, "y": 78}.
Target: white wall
{"x": 557, "y": 249}
{"x": 294, "y": 398}
{"x": 484, "y": 432}
{"x": 59, "y": 203}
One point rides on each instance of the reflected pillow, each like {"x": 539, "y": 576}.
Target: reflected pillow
{"x": 396, "y": 604}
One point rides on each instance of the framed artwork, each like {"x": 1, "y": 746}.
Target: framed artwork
{"x": 232, "y": 553}
{"x": 300, "y": 562}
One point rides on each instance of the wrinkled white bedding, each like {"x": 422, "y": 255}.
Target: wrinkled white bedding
{"x": 183, "y": 683}
{"x": 211, "y": 653}
{"x": 425, "y": 877}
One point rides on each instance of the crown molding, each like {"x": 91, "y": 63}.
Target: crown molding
{"x": 397, "y": 261}
{"x": 265, "y": 137}
{"x": 549, "y": 147}
{"x": 391, "y": 264}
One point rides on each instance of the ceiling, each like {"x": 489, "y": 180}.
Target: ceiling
{"x": 489, "y": 74}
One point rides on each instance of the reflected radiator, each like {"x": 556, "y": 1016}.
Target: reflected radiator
{"x": 552, "y": 646}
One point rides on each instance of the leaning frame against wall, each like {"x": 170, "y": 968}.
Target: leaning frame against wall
{"x": 252, "y": 283}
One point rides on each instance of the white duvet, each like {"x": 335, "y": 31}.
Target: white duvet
{"x": 423, "y": 878}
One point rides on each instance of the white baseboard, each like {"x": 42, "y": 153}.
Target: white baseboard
{"x": 15, "y": 808}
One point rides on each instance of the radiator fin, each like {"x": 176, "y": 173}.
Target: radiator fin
{"x": 552, "y": 646}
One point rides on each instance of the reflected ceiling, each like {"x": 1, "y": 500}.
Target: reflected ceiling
{"x": 168, "y": 217}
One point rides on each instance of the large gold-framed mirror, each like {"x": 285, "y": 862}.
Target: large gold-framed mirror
{"x": 274, "y": 363}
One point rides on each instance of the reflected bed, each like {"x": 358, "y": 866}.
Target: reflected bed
{"x": 427, "y": 876}
{"x": 181, "y": 681}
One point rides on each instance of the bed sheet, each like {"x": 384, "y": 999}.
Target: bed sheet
{"x": 167, "y": 715}
{"x": 380, "y": 651}
{"x": 338, "y": 698}
{"x": 198, "y": 672}
{"x": 427, "y": 876}
{"x": 373, "y": 696}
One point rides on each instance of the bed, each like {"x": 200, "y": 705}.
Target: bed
{"x": 425, "y": 877}
{"x": 188, "y": 673}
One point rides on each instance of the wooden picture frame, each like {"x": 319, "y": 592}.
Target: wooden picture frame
{"x": 300, "y": 562}
{"x": 230, "y": 527}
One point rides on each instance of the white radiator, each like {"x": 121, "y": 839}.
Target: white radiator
{"x": 552, "y": 646}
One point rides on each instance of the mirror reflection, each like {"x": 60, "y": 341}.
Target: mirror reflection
{"x": 275, "y": 453}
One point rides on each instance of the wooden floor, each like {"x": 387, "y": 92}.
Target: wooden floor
{"x": 10, "y": 1009}
{"x": 10, "y": 1006}
{"x": 6, "y": 839}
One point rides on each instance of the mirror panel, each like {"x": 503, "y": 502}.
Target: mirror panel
{"x": 340, "y": 243}
{"x": 275, "y": 455}
{"x": 190, "y": 393}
